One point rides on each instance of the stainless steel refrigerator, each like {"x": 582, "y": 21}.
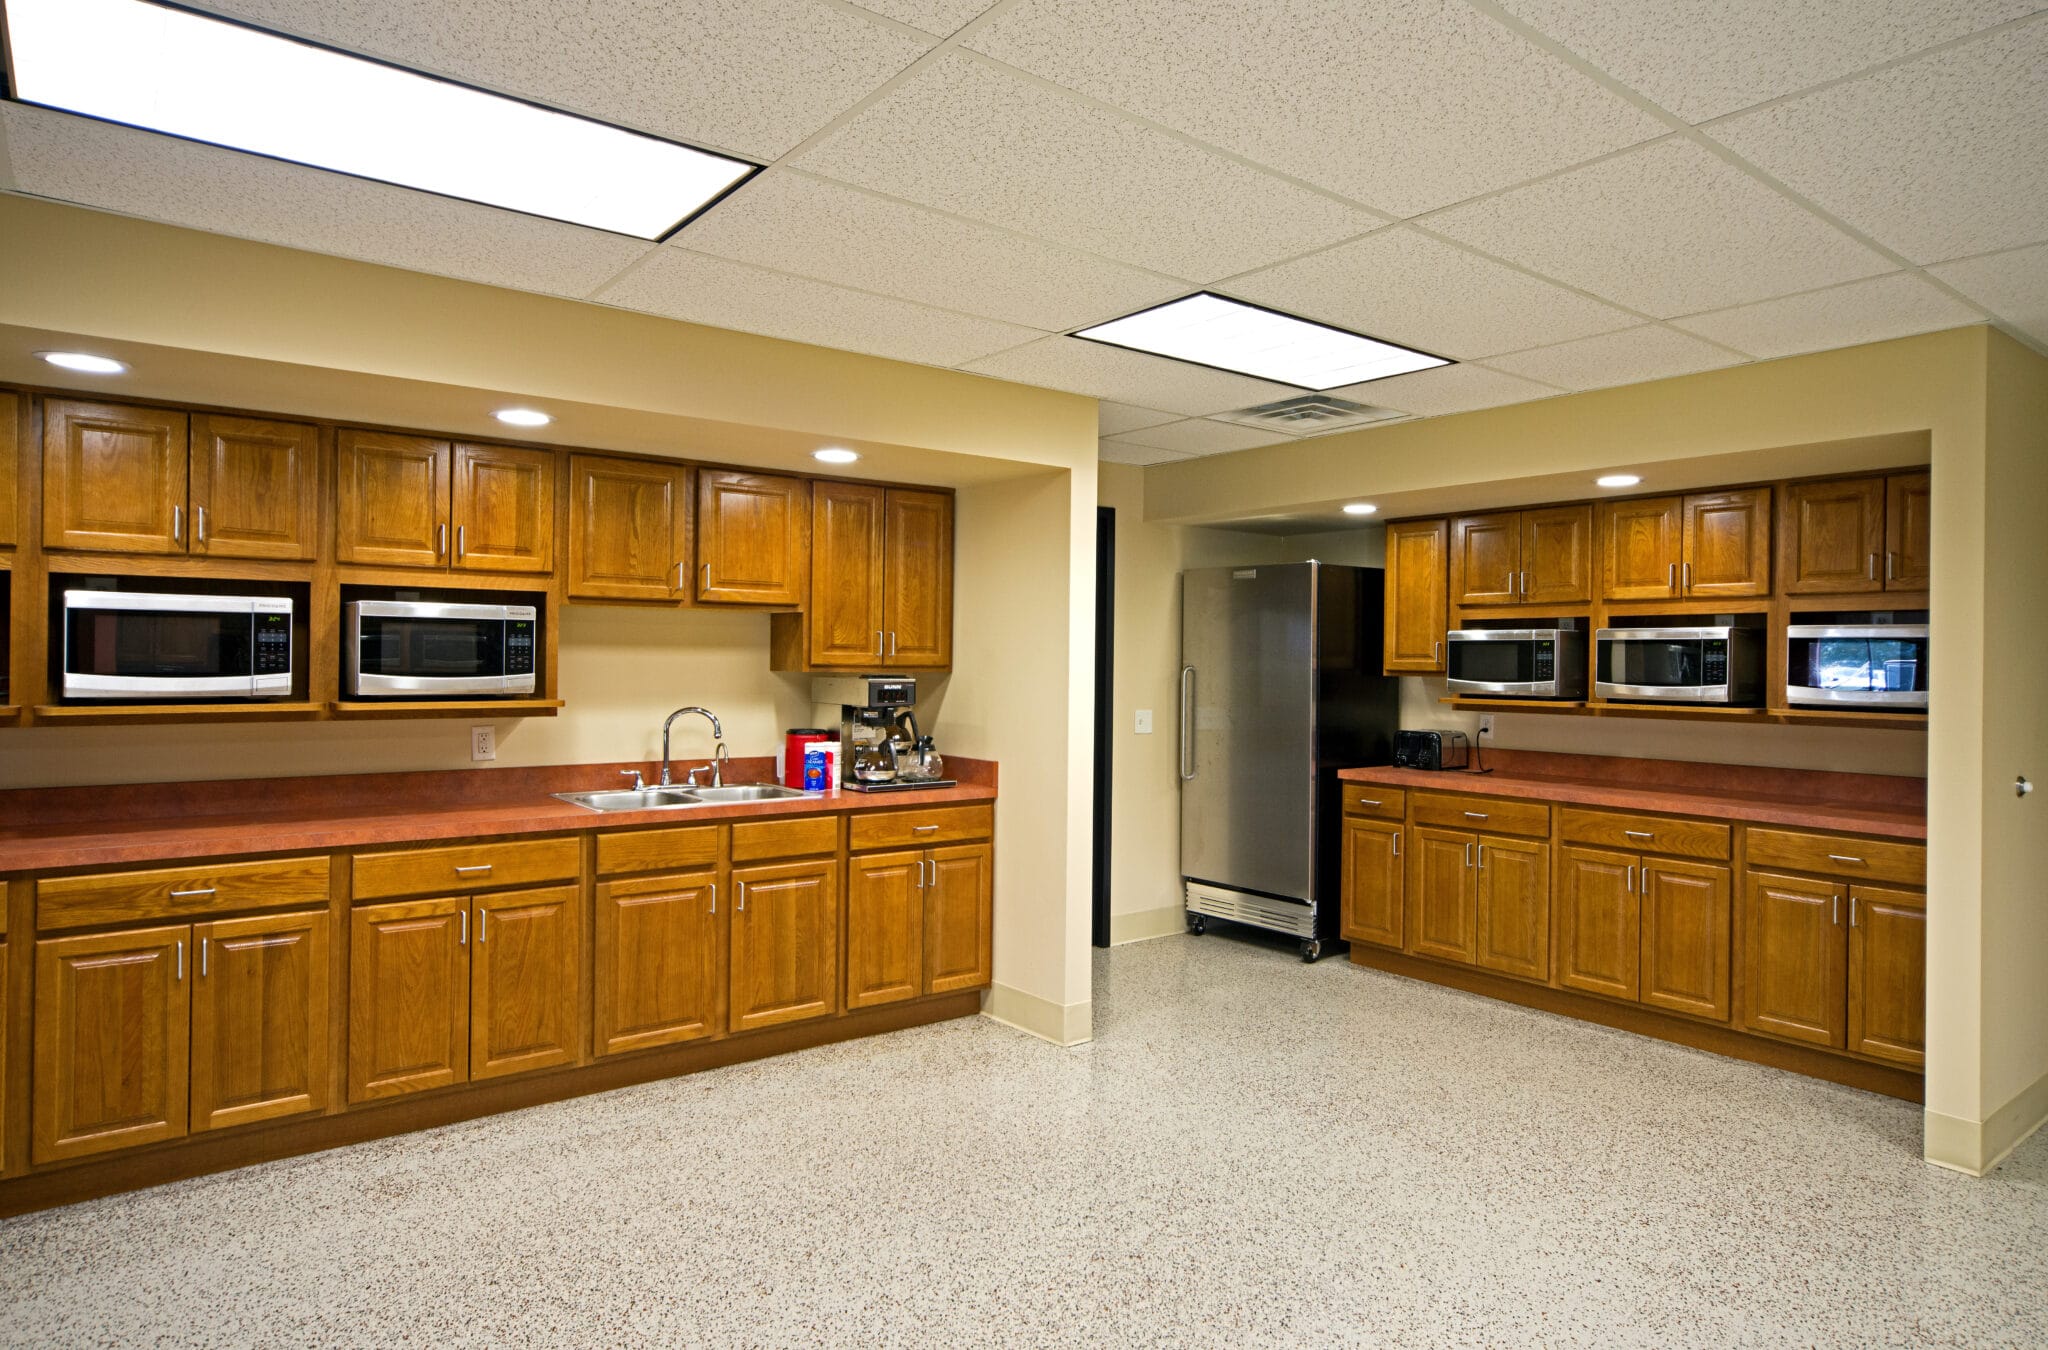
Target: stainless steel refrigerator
{"x": 1280, "y": 687}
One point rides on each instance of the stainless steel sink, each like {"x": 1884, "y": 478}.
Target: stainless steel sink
{"x": 630, "y": 799}
{"x": 750, "y": 792}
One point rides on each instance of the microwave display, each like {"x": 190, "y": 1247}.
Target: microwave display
{"x": 428, "y": 649}
{"x": 120, "y": 645}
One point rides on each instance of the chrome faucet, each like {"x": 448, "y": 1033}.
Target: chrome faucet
{"x": 718, "y": 758}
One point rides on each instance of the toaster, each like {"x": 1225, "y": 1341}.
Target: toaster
{"x": 1431, "y": 750}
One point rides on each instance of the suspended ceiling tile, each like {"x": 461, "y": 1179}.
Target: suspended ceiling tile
{"x": 1119, "y": 453}
{"x": 1403, "y": 106}
{"x": 2013, "y": 285}
{"x": 816, "y": 228}
{"x": 1703, "y": 61}
{"x": 1447, "y": 389}
{"x": 1129, "y": 377}
{"x": 701, "y": 289}
{"x": 1668, "y": 229}
{"x": 203, "y": 187}
{"x": 1112, "y": 419}
{"x": 1628, "y": 357}
{"x": 1898, "y": 305}
{"x": 1199, "y": 436}
{"x": 1937, "y": 158}
{"x": 942, "y": 17}
{"x": 964, "y": 137}
{"x": 750, "y": 76}
{"x": 1405, "y": 287}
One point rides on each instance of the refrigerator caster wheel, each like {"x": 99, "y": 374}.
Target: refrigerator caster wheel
{"x": 1196, "y": 926}
{"x": 1310, "y": 950}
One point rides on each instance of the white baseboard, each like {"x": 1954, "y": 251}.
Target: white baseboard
{"x": 1062, "y": 1024}
{"x": 1976, "y": 1147}
{"x": 1147, "y": 923}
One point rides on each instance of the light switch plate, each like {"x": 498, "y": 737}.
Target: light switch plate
{"x": 483, "y": 743}
{"x": 1144, "y": 721}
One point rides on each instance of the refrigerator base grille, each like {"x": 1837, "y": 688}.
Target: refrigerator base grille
{"x": 1291, "y": 917}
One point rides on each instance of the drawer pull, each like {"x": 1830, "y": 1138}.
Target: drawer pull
{"x": 1843, "y": 857}
{"x": 1475, "y": 815}
{"x": 476, "y": 867}
{"x": 1640, "y": 834}
{"x": 924, "y": 829}
{"x": 197, "y": 890}
{"x": 1368, "y": 801}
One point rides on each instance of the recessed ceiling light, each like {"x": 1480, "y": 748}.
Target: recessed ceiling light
{"x": 522, "y": 417}
{"x": 1359, "y": 508}
{"x": 226, "y": 83}
{"x": 85, "y": 362}
{"x": 1618, "y": 479}
{"x": 1209, "y": 330}
{"x": 833, "y": 454}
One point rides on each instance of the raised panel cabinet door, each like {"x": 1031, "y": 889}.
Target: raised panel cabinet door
{"x": 1486, "y": 559}
{"x": 885, "y": 904}
{"x": 1599, "y": 923}
{"x": 1908, "y": 531}
{"x": 1888, "y": 975}
{"x": 659, "y": 962}
{"x": 1513, "y": 933}
{"x": 1417, "y": 596}
{"x": 629, "y": 529}
{"x": 917, "y": 578}
{"x": 503, "y": 509}
{"x": 846, "y": 575}
{"x": 390, "y": 500}
{"x": 753, "y": 538}
{"x": 10, "y": 452}
{"x": 1373, "y": 893}
{"x": 1794, "y": 957}
{"x": 260, "y": 1019}
{"x": 785, "y": 943}
{"x": 1727, "y": 543}
{"x": 408, "y": 997}
{"x": 255, "y": 488}
{"x": 525, "y": 985}
{"x": 1686, "y": 918}
{"x": 1640, "y": 544}
{"x": 1446, "y": 894}
{"x": 1557, "y": 555}
{"x": 113, "y": 477}
{"x": 959, "y": 918}
{"x": 112, "y": 1018}
{"x": 1832, "y": 537}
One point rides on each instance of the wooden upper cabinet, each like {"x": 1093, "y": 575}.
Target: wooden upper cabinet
{"x": 503, "y": 509}
{"x": 753, "y": 538}
{"x": 526, "y": 953}
{"x": 785, "y": 943}
{"x": 261, "y": 1015}
{"x": 1512, "y": 934}
{"x": 847, "y": 566}
{"x": 1685, "y": 938}
{"x": 1832, "y": 538}
{"x": 112, "y": 1021}
{"x": 408, "y": 1004}
{"x": 1599, "y": 923}
{"x": 1443, "y": 907}
{"x": 10, "y": 454}
{"x": 885, "y": 921}
{"x": 1557, "y": 556}
{"x": 390, "y": 500}
{"x": 1908, "y": 531}
{"x": 659, "y": 962}
{"x": 255, "y": 488}
{"x": 1486, "y": 559}
{"x": 1794, "y": 959}
{"x": 959, "y": 918}
{"x": 629, "y": 529}
{"x": 1727, "y": 548}
{"x": 1372, "y": 882}
{"x": 917, "y": 577}
{"x": 114, "y": 477}
{"x": 1641, "y": 543}
{"x": 1417, "y": 597}
{"x": 1888, "y": 975}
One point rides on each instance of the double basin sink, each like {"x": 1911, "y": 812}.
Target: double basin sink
{"x": 671, "y": 798}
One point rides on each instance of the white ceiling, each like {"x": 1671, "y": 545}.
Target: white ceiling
{"x": 1558, "y": 194}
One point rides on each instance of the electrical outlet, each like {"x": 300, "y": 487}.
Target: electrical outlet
{"x": 483, "y": 743}
{"x": 1486, "y": 726}
{"x": 1144, "y": 721}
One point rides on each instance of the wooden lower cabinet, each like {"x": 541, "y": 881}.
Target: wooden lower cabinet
{"x": 525, "y": 982}
{"x": 885, "y": 921}
{"x": 408, "y": 1007}
{"x": 1888, "y": 975}
{"x": 1512, "y": 934}
{"x": 1599, "y": 923}
{"x": 1372, "y": 883}
{"x": 112, "y": 1027}
{"x": 1685, "y": 922}
{"x": 958, "y": 918}
{"x": 1795, "y": 959}
{"x": 785, "y": 949}
{"x": 659, "y": 962}
{"x": 1446, "y": 895}
{"x": 261, "y": 1013}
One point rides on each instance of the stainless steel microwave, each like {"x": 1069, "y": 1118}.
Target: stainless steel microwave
{"x": 1679, "y": 665}
{"x": 1867, "y": 665}
{"x": 429, "y": 649}
{"x": 130, "y": 646}
{"x": 1516, "y": 662}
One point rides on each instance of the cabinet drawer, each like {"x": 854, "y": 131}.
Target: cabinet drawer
{"x": 753, "y": 840}
{"x": 931, "y": 825}
{"x": 176, "y": 892}
{"x": 685, "y": 849}
{"x": 466, "y": 867}
{"x": 1646, "y": 834}
{"x": 1839, "y": 855}
{"x": 1370, "y": 799}
{"x": 1494, "y": 815}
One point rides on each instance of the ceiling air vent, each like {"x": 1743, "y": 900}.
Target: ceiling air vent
{"x": 1310, "y": 415}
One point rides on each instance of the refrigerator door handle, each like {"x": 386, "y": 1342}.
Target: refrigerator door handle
{"x": 1187, "y": 729}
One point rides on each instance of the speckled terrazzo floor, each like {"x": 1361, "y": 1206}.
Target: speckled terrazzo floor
{"x": 1252, "y": 1152}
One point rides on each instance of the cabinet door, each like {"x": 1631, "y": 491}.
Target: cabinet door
{"x": 959, "y": 918}
{"x": 629, "y": 529}
{"x": 785, "y": 943}
{"x": 255, "y": 488}
{"x": 503, "y": 509}
{"x": 1640, "y": 546}
{"x": 1728, "y": 543}
{"x": 917, "y": 578}
{"x": 1513, "y": 933}
{"x": 1888, "y": 975}
{"x": 1486, "y": 559}
{"x": 524, "y": 985}
{"x": 113, "y": 478}
{"x": 390, "y": 500}
{"x": 660, "y": 962}
{"x": 1557, "y": 555}
{"x": 1417, "y": 596}
{"x": 885, "y": 904}
{"x": 1685, "y": 938}
{"x": 1794, "y": 958}
{"x": 753, "y": 538}
{"x": 1373, "y": 893}
{"x": 10, "y": 453}
{"x": 1831, "y": 537}
{"x": 111, "y": 1025}
{"x": 846, "y": 575}
{"x": 1908, "y": 531}
{"x": 260, "y": 1019}
{"x": 1446, "y": 895}
{"x": 408, "y": 997}
{"x": 1599, "y": 922}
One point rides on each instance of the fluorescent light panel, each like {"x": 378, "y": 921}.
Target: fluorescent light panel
{"x": 1209, "y": 330}
{"x": 210, "y": 80}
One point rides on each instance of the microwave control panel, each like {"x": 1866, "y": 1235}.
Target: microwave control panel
{"x": 1545, "y": 656}
{"x": 273, "y": 644}
{"x": 519, "y": 647}
{"x": 1714, "y": 662}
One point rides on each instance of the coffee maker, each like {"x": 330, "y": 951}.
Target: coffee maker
{"x": 869, "y": 708}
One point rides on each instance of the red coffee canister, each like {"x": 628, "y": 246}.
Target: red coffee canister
{"x": 794, "y": 742}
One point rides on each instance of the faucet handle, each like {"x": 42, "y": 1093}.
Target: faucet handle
{"x": 690, "y": 778}
{"x": 639, "y": 783}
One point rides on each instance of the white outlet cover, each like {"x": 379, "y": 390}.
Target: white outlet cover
{"x": 483, "y": 743}
{"x": 1144, "y": 721}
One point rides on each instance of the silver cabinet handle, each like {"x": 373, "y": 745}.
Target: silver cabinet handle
{"x": 1468, "y": 853}
{"x": 1397, "y": 843}
{"x": 1482, "y": 857}
{"x": 741, "y": 904}
{"x": 1525, "y": 585}
{"x": 924, "y": 829}
{"x": 1639, "y": 834}
{"x": 1685, "y": 576}
{"x": 892, "y": 642}
{"x": 1870, "y": 568}
{"x": 181, "y": 958}
{"x": 1187, "y": 730}
{"x": 714, "y": 897}
{"x": 483, "y": 925}
{"x": 707, "y": 576}
{"x": 1852, "y": 911}
{"x": 920, "y": 872}
{"x": 199, "y": 524}
{"x": 1890, "y": 571}
{"x": 440, "y": 539}
{"x": 178, "y": 523}
{"x": 1630, "y": 884}
{"x": 1437, "y": 655}
{"x": 462, "y": 938}
{"x": 878, "y": 644}
{"x": 679, "y": 574}
{"x": 474, "y": 867}
{"x": 204, "y": 943}
{"x": 1835, "y": 909}
{"x": 1475, "y": 815}
{"x": 1367, "y": 801}
{"x": 198, "y": 890}
{"x": 1671, "y": 577}
{"x": 461, "y": 537}
{"x": 1843, "y": 858}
